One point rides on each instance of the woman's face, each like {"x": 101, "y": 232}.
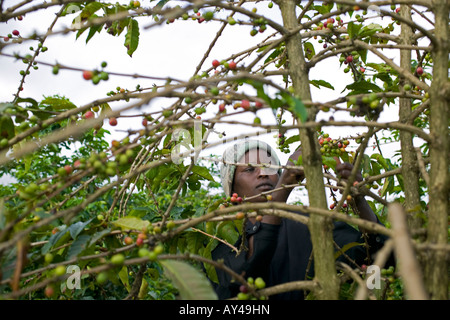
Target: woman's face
{"x": 250, "y": 181}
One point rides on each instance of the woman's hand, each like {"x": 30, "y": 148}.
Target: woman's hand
{"x": 289, "y": 177}
{"x": 344, "y": 171}
{"x": 292, "y": 175}
{"x": 359, "y": 203}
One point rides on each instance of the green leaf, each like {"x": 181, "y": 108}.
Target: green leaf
{"x": 6, "y": 105}
{"x": 131, "y": 223}
{"x": 363, "y": 55}
{"x": 58, "y": 103}
{"x": 78, "y": 246}
{"x": 202, "y": 172}
{"x": 292, "y": 139}
{"x": 259, "y": 87}
{"x": 298, "y": 108}
{"x": 161, "y": 3}
{"x": 193, "y": 183}
{"x": 380, "y": 160}
{"x": 90, "y": 9}
{"x": 194, "y": 241}
{"x": 132, "y": 37}
{"x": 191, "y": 283}
{"x": 309, "y": 50}
{"x": 275, "y": 53}
{"x": 324, "y": 8}
{"x": 2, "y": 214}
{"x": 344, "y": 156}
{"x": 226, "y": 230}
{"x": 210, "y": 269}
{"x": 366, "y": 164}
{"x": 56, "y": 239}
{"x": 93, "y": 30}
{"x": 77, "y": 227}
{"x": 323, "y": 83}
{"x": 345, "y": 248}
{"x": 353, "y": 29}
{"x": 7, "y": 128}
{"x": 105, "y": 109}
{"x": 29, "y": 100}
{"x": 388, "y": 186}
{"x": 98, "y": 235}
{"x": 123, "y": 276}
{"x": 370, "y": 30}
{"x": 363, "y": 86}
{"x": 329, "y": 161}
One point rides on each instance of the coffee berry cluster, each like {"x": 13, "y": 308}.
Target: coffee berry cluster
{"x": 332, "y": 147}
{"x": 246, "y": 291}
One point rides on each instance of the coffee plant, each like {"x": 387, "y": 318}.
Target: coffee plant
{"x": 114, "y": 193}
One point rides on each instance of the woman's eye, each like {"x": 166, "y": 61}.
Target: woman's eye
{"x": 249, "y": 169}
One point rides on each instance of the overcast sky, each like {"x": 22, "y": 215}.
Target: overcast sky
{"x": 169, "y": 50}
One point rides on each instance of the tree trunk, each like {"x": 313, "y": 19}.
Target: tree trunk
{"x": 436, "y": 273}
{"x": 410, "y": 170}
{"x": 321, "y": 228}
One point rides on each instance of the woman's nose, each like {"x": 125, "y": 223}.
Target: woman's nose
{"x": 266, "y": 171}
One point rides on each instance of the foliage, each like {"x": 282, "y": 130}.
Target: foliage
{"x": 122, "y": 210}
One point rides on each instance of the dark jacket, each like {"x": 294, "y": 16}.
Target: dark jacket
{"x": 282, "y": 253}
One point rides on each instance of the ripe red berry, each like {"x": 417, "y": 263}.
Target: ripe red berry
{"x": 68, "y": 169}
{"x": 216, "y": 63}
{"x": 258, "y": 104}
{"x": 419, "y": 71}
{"x": 349, "y": 58}
{"x": 139, "y": 242}
{"x": 232, "y": 65}
{"x": 128, "y": 240}
{"x": 16, "y": 33}
{"x": 144, "y": 122}
{"x": 87, "y": 75}
{"x": 115, "y": 144}
{"x": 113, "y": 122}
{"x": 222, "y": 107}
{"x": 77, "y": 163}
{"x": 142, "y": 235}
{"x": 240, "y": 215}
{"x": 89, "y": 114}
{"x": 332, "y": 206}
{"x": 245, "y": 104}
{"x": 49, "y": 291}
{"x": 235, "y": 195}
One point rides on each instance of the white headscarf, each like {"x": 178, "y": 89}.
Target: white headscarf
{"x": 234, "y": 153}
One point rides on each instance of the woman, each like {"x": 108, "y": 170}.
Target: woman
{"x": 279, "y": 250}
